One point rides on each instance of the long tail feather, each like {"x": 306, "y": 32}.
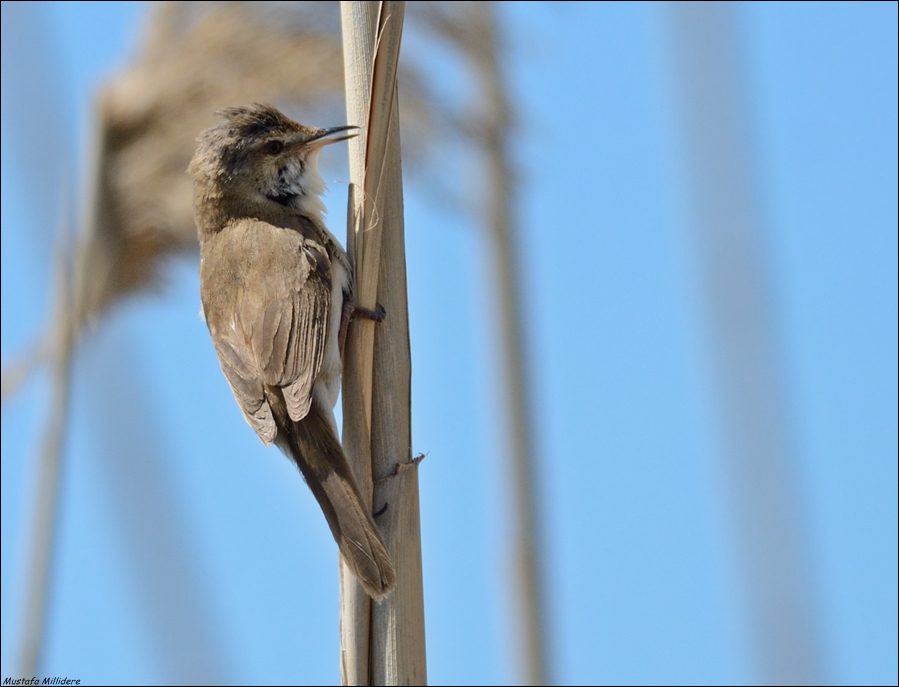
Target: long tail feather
{"x": 318, "y": 454}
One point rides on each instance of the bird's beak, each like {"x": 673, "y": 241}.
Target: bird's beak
{"x": 324, "y": 137}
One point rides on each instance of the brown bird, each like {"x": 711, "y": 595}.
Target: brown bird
{"x": 277, "y": 293}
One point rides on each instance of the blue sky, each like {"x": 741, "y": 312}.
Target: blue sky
{"x": 642, "y": 566}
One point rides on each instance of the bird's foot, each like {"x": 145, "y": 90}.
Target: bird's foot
{"x": 376, "y": 315}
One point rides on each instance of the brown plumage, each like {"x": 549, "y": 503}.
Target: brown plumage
{"x": 275, "y": 285}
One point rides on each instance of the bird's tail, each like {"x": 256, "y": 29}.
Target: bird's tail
{"x": 320, "y": 457}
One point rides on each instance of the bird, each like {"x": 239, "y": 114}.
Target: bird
{"x": 277, "y": 293}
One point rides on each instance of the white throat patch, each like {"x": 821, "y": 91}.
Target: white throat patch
{"x": 304, "y": 181}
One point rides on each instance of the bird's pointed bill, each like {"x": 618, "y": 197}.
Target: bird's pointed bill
{"x": 336, "y": 134}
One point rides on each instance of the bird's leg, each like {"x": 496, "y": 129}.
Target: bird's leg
{"x": 351, "y": 311}
{"x": 376, "y": 315}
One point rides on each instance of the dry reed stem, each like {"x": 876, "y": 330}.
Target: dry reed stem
{"x": 377, "y": 424}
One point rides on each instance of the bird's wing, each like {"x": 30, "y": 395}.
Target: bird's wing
{"x": 248, "y": 390}
{"x": 275, "y": 327}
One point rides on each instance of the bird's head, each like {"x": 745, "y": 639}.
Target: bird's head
{"x": 256, "y": 162}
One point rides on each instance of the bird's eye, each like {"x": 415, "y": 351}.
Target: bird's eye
{"x": 274, "y": 147}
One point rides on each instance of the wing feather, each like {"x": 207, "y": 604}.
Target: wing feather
{"x": 270, "y": 327}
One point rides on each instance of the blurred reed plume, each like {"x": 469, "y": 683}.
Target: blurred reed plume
{"x": 195, "y": 59}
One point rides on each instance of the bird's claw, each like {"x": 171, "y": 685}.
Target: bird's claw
{"x": 376, "y": 315}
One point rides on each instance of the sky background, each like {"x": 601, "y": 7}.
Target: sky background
{"x": 643, "y": 578}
